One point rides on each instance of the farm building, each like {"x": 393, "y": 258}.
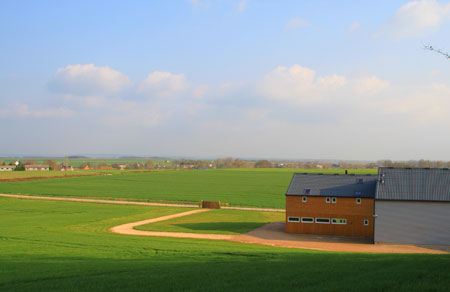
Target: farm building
{"x": 40, "y": 167}
{"x": 7, "y": 167}
{"x": 399, "y": 205}
{"x": 331, "y": 204}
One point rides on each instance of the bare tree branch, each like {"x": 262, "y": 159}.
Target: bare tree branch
{"x": 439, "y": 51}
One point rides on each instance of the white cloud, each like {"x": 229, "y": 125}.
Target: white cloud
{"x": 242, "y": 5}
{"x": 298, "y": 85}
{"x": 24, "y": 111}
{"x": 199, "y": 91}
{"x": 417, "y": 18}
{"x": 296, "y": 22}
{"x": 353, "y": 27}
{"x": 88, "y": 80}
{"x": 370, "y": 85}
{"x": 163, "y": 84}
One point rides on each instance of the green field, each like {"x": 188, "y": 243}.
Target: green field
{"x": 8, "y": 175}
{"x": 65, "y": 246}
{"x": 216, "y": 222}
{"x": 238, "y": 187}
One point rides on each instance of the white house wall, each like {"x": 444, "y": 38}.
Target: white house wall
{"x": 412, "y": 222}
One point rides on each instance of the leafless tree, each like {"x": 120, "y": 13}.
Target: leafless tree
{"x": 439, "y": 51}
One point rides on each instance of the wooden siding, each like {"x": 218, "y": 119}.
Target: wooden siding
{"x": 344, "y": 208}
{"x": 412, "y": 222}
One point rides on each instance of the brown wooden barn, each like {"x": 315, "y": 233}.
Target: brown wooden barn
{"x": 331, "y": 204}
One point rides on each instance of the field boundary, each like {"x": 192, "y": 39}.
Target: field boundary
{"x": 99, "y": 201}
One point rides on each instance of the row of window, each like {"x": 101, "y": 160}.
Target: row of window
{"x": 322, "y": 220}
{"x": 328, "y": 199}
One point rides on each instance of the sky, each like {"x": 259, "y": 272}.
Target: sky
{"x": 346, "y": 80}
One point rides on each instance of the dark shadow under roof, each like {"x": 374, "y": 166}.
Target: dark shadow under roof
{"x": 413, "y": 184}
{"x": 331, "y": 185}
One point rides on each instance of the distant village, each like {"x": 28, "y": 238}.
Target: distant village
{"x": 148, "y": 164}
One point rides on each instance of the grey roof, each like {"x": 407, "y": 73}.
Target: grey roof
{"x": 332, "y": 185}
{"x": 413, "y": 184}
{"x": 37, "y": 165}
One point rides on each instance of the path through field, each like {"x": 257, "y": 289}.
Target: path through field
{"x": 132, "y": 203}
{"x": 273, "y": 234}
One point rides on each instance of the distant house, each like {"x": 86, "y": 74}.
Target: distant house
{"x": 69, "y": 168}
{"x": 399, "y": 205}
{"x": 37, "y": 167}
{"x": 7, "y": 167}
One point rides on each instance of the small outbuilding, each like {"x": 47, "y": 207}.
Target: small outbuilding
{"x": 37, "y": 167}
{"x": 7, "y": 167}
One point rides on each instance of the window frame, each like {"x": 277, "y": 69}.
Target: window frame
{"x": 327, "y": 200}
{"x": 308, "y": 222}
{"x": 358, "y": 201}
{"x": 329, "y": 221}
{"x": 340, "y": 223}
{"x": 304, "y": 199}
{"x": 333, "y": 200}
{"x": 293, "y": 221}
{"x": 366, "y": 222}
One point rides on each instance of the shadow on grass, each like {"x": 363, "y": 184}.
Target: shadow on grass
{"x": 219, "y": 271}
{"x": 235, "y": 227}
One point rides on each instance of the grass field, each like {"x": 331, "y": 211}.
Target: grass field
{"x": 238, "y": 187}
{"x": 216, "y": 222}
{"x": 65, "y": 246}
{"x": 8, "y": 175}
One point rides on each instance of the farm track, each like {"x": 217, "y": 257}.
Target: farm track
{"x": 273, "y": 234}
{"x": 131, "y": 203}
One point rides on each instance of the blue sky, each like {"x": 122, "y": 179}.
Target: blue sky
{"x": 272, "y": 79}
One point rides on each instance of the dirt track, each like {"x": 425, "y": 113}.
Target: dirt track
{"x": 273, "y": 234}
{"x": 129, "y": 202}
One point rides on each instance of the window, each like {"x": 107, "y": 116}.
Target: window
{"x": 366, "y": 222}
{"x": 307, "y": 191}
{"x": 334, "y": 200}
{"x": 338, "y": 221}
{"x": 304, "y": 199}
{"x": 323, "y": 220}
{"x": 327, "y": 199}
{"x": 294, "y": 219}
{"x": 357, "y": 193}
{"x": 307, "y": 220}
{"x": 358, "y": 201}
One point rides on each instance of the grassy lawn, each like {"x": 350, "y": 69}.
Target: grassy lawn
{"x": 65, "y": 246}
{"x": 238, "y": 187}
{"x": 216, "y": 222}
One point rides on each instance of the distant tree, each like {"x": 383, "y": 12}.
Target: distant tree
{"x": 238, "y": 163}
{"x": 149, "y": 164}
{"x": 228, "y": 162}
{"x": 263, "y": 164}
{"x": 30, "y": 162}
{"x": 220, "y": 163}
{"x": 53, "y": 165}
